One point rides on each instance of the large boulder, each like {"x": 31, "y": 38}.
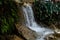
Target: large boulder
{"x": 27, "y": 33}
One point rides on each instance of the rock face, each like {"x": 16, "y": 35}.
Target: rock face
{"x": 24, "y": 1}
{"x": 26, "y": 32}
{"x": 20, "y": 14}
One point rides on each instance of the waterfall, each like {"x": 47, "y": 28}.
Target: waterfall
{"x": 30, "y": 22}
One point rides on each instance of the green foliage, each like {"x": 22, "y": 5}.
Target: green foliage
{"x": 47, "y": 12}
{"x": 8, "y": 16}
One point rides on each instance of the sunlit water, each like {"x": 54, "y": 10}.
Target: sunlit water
{"x": 30, "y": 22}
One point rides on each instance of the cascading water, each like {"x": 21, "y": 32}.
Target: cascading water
{"x": 30, "y": 22}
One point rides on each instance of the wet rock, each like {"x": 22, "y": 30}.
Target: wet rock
{"x": 27, "y": 33}
{"x": 50, "y": 37}
{"x": 54, "y": 36}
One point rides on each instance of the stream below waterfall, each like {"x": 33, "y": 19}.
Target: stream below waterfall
{"x": 30, "y": 22}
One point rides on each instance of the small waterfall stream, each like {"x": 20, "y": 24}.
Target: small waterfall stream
{"x": 30, "y": 22}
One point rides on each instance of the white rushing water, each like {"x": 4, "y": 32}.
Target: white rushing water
{"x": 30, "y": 22}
